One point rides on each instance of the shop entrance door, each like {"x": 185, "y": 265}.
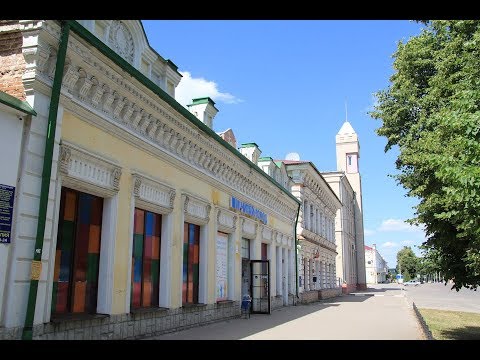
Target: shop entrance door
{"x": 260, "y": 286}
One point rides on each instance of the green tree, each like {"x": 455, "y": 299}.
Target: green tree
{"x": 428, "y": 264}
{"x": 407, "y": 263}
{"x": 431, "y": 112}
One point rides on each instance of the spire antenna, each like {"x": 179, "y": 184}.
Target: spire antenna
{"x": 346, "y": 111}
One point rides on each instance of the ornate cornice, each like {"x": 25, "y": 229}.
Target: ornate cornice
{"x": 152, "y": 194}
{"x": 317, "y": 239}
{"x": 226, "y": 220}
{"x": 316, "y": 251}
{"x": 282, "y": 239}
{"x": 267, "y": 233}
{"x": 88, "y": 171}
{"x": 326, "y": 197}
{"x": 249, "y": 228}
{"x": 122, "y": 104}
{"x": 196, "y": 210}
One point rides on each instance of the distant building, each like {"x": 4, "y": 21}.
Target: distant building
{"x": 375, "y": 266}
{"x": 229, "y": 137}
{"x": 347, "y": 185}
{"x": 317, "y": 250}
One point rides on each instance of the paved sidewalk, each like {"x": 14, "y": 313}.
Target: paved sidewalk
{"x": 376, "y": 314}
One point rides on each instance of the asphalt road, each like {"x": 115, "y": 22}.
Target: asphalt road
{"x": 440, "y": 296}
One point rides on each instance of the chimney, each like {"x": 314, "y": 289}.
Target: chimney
{"x": 229, "y": 137}
{"x": 251, "y": 151}
{"x": 204, "y": 109}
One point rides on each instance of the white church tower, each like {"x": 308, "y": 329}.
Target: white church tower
{"x": 348, "y": 155}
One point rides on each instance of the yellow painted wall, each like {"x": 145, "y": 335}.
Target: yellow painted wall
{"x": 131, "y": 158}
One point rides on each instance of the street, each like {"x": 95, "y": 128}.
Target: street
{"x": 439, "y": 296}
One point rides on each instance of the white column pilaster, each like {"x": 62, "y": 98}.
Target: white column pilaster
{"x": 278, "y": 269}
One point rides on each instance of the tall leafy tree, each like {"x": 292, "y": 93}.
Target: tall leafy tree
{"x": 431, "y": 112}
{"x": 407, "y": 263}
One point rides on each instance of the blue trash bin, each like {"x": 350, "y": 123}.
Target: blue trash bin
{"x": 246, "y": 304}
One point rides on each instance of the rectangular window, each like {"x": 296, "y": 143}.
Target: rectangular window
{"x": 305, "y": 214}
{"x": 305, "y": 273}
{"x": 264, "y": 251}
{"x": 145, "y": 259}
{"x": 170, "y": 89}
{"x": 145, "y": 67}
{"x": 191, "y": 256}
{"x": 77, "y": 257}
{"x": 264, "y": 256}
{"x": 246, "y": 248}
{"x": 222, "y": 267}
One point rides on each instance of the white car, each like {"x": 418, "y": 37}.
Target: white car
{"x": 412, "y": 282}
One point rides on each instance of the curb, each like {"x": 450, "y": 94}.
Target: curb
{"x": 421, "y": 320}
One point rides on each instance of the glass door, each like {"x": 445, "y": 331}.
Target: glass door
{"x": 260, "y": 286}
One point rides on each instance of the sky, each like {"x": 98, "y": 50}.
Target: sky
{"x": 288, "y": 85}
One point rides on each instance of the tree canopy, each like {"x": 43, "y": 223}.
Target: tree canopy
{"x": 407, "y": 263}
{"x": 431, "y": 112}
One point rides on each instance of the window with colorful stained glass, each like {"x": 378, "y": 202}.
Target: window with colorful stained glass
{"x": 191, "y": 256}
{"x": 145, "y": 259}
{"x": 77, "y": 257}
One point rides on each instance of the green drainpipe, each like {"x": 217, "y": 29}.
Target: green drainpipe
{"x": 27, "y": 333}
{"x": 296, "y": 255}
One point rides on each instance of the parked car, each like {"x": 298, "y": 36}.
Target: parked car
{"x": 411, "y": 282}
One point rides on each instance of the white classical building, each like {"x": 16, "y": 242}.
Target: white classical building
{"x": 315, "y": 232}
{"x": 347, "y": 185}
{"x": 283, "y": 287}
{"x": 131, "y": 216}
{"x": 375, "y": 265}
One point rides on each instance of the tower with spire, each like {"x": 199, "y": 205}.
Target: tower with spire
{"x": 348, "y": 155}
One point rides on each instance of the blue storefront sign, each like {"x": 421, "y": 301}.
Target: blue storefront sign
{"x": 7, "y": 195}
{"x": 248, "y": 209}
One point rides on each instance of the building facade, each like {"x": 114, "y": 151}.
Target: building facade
{"x": 315, "y": 232}
{"x": 285, "y": 288}
{"x": 150, "y": 215}
{"x": 346, "y": 183}
{"x": 15, "y": 118}
{"x": 375, "y": 266}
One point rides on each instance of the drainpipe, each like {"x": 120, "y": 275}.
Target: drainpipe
{"x": 355, "y": 240}
{"x": 296, "y": 249}
{"x": 36, "y": 269}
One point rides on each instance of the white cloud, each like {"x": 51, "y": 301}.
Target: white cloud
{"x": 370, "y": 107}
{"x": 190, "y": 88}
{"x": 368, "y": 232}
{"x": 389, "y": 244}
{"x": 397, "y": 225}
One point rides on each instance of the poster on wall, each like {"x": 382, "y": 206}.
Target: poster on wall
{"x": 7, "y": 194}
{"x": 222, "y": 267}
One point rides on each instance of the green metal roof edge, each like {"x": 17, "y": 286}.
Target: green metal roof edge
{"x": 265, "y": 158}
{"x": 203, "y": 100}
{"x": 250, "y": 144}
{"x": 117, "y": 59}
{"x": 172, "y": 65}
{"x": 17, "y": 104}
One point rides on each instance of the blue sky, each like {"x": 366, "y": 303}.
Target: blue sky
{"x": 283, "y": 84}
